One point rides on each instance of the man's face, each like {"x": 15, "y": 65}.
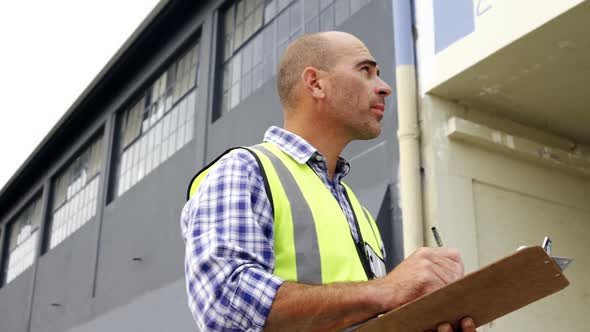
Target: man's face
{"x": 356, "y": 93}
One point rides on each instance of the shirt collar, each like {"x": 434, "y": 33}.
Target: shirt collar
{"x": 298, "y": 148}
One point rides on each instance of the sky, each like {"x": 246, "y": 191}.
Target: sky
{"x": 50, "y": 52}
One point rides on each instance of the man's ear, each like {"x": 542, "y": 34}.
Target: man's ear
{"x": 312, "y": 82}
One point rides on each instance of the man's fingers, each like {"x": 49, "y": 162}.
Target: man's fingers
{"x": 467, "y": 324}
{"x": 450, "y": 269}
{"x": 446, "y": 327}
{"x": 445, "y": 263}
{"x": 450, "y": 253}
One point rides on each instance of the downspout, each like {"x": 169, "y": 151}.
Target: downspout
{"x": 408, "y": 129}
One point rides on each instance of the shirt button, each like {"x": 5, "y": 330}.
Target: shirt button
{"x": 319, "y": 157}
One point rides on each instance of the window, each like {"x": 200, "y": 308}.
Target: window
{"x": 22, "y": 240}
{"x": 75, "y": 193}
{"x": 160, "y": 122}
{"x": 255, "y": 34}
{"x": 241, "y": 53}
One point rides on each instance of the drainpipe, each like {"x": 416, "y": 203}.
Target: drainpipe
{"x": 408, "y": 128}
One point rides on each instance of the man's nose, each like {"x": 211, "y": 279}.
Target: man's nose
{"x": 382, "y": 88}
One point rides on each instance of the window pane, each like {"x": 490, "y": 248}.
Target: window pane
{"x": 182, "y": 112}
{"x": 356, "y": 5}
{"x": 240, "y": 12}
{"x": 258, "y": 13}
{"x": 268, "y": 37}
{"x": 257, "y": 50}
{"x": 235, "y": 95}
{"x": 195, "y": 58}
{"x": 190, "y": 106}
{"x": 59, "y": 196}
{"x": 250, "y": 4}
{"x": 270, "y": 10}
{"x": 132, "y": 122}
{"x": 162, "y": 85}
{"x": 327, "y": 19}
{"x": 225, "y": 102}
{"x": 227, "y": 75}
{"x": 284, "y": 27}
{"x": 22, "y": 240}
{"x": 180, "y": 136}
{"x": 192, "y": 76}
{"x": 246, "y": 85}
{"x": 312, "y": 25}
{"x": 227, "y": 47}
{"x": 283, "y": 4}
{"x": 174, "y": 120}
{"x": 324, "y": 4}
{"x": 94, "y": 163}
{"x": 189, "y": 131}
{"x": 310, "y": 9}
{"x": 238, "y": 36}
{"x": 236, "y": 67}
{"x": 249, "y": 27}
{"x": 257, "y": 78}
{"x": 341, "y": 11}
{"x": 228, "y": 19}
{"x": 246, "y": 58}
{"x": 296, "y": 12}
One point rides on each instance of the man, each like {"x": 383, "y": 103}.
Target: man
{"x": 240, "y": 273}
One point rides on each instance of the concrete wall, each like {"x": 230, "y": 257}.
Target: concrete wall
{"x": 488, "y": 202}
{"x": 472, "y": 30}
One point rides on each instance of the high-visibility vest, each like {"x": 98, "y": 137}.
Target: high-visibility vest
{"x": 313, "y": 242}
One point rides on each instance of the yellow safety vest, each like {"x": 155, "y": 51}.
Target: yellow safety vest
{"x": 313, "y": 242}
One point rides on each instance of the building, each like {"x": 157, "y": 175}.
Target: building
{"x": 493, "y": 149}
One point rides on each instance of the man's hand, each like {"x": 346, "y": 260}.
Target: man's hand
{"x": 300, "y": 307}
{"x": 425, "y": 271}
{"x": 467, "y": 325}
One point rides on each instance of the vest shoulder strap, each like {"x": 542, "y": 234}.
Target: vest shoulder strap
{"x": 196, "y": 180}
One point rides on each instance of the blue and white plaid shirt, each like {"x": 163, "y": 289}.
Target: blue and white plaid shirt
{"x": 228, "y": 230}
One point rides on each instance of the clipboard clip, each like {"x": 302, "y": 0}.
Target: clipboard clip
{"x": 562, "y": 262}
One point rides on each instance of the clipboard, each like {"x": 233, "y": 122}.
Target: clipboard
{"x": 493, "y": 291}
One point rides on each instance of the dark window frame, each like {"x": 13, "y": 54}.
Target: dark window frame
{"x": 220, "y": 60}
{"x": 84, "y": 151}
{"x": 119, "y": 145}
{"x": 33, "y": 205}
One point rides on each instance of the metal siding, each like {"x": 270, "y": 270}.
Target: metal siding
{"x": 14, "y": 302}
{"x": 144, "y": 223}
{"x": 162, "y": 309}
{"x": 64, "y": 282}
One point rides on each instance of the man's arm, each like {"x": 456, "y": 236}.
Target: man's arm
{"x": 228, "y": 231}
{"x": 301, "y": 307}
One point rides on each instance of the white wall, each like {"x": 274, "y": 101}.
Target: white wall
{"x": 488, "y": 202}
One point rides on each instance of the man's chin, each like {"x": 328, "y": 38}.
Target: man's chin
{"x": 370, "y": 134}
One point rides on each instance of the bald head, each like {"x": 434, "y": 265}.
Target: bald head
{"x": 311, "y": 50}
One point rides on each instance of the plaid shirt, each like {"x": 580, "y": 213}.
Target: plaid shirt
{"x": 228, "y": 230}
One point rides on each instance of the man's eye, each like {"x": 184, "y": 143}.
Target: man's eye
{"x": 366, "y": 68}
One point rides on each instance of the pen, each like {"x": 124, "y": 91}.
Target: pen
{"x": 437, "y": 237}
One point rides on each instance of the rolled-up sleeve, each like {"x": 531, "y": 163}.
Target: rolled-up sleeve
{"x": 228, "y": 231}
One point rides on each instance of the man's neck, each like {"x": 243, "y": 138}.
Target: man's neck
{"x": 326, "y": 140}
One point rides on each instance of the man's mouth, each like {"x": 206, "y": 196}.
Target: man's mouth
{"x": 380, "y": 107}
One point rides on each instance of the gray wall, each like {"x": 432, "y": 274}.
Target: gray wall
{"x": 91, "y": 281}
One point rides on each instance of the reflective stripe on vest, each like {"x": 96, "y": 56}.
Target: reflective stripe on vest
{"x": 315, "y": 246}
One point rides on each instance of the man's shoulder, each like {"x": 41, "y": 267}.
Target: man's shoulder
{"x": 239, "y": 158}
